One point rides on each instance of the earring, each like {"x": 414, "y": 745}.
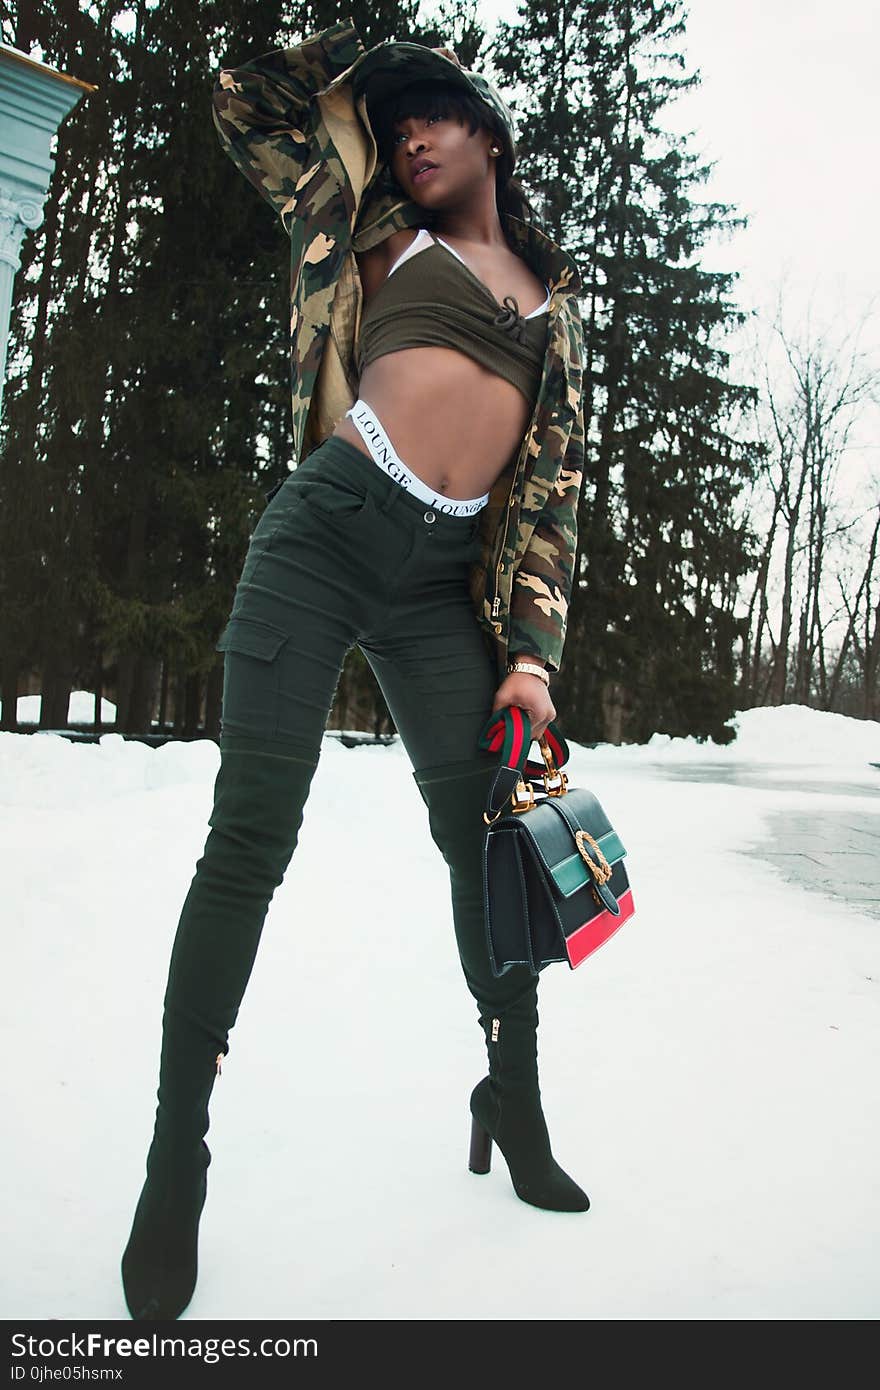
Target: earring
{"x": 494, "y": 149}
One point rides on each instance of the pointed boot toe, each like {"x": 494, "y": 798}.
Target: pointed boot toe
{"x": 552, "y": 1190}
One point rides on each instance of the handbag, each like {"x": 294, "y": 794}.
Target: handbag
{"x": 555, "y": 885}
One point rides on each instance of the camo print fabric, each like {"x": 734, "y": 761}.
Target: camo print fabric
{"x": 291, "y": 123}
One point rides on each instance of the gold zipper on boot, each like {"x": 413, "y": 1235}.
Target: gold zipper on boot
{"x": 496, "y": 1028}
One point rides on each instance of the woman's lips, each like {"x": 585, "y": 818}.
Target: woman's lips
{"x": 425, "y": 173}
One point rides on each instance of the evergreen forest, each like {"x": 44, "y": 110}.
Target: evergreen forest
{"x": 147, "y": 399}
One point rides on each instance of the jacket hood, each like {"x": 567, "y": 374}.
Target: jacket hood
{"x": 385, "y": 70}
{"x": 378, "y": 72}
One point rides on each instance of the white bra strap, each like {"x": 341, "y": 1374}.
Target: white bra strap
{"x": 455, "y": 253}
{"x": 417, "y": 244}
{"x": 542, "y": 308}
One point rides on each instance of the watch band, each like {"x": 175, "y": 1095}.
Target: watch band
{"x": 530, "y": 669}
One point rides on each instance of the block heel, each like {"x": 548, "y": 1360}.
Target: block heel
{"x": 480, "y": 1157}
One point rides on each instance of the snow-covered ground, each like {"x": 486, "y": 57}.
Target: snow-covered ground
{"x": 710, "y": 1076}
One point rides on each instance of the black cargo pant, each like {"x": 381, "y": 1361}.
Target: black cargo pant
{"x": 341, "y": 556}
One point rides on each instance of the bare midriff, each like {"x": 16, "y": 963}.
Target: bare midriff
{"x": 452, "y": 421}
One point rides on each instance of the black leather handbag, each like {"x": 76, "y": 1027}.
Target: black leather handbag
{"x": 555, "y": 885}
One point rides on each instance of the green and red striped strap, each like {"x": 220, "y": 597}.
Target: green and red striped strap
{"x": 509, "y": 732}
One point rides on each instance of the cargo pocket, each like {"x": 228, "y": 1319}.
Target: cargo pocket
{"x": 251, "y": 637}
{"x": 251, "y": 680}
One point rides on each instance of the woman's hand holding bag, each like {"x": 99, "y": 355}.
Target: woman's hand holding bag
{"x": 531, "y": 695}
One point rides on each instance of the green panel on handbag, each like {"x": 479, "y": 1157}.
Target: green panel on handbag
{"x": 572, "y": 873}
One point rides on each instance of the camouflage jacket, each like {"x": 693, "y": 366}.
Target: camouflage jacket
{"x": 290, "y": 123}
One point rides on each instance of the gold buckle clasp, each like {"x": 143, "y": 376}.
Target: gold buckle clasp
{"x": 602, "y": 871}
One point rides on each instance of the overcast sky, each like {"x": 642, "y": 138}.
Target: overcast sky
{"x": 785, "y": 108}
{"x": 788, "y": 108}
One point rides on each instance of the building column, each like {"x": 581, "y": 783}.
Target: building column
{"x": 19, "y": 213}
{"x": 34, "y": 99}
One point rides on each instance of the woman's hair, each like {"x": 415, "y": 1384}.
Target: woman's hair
{"x": 437, "y": 98}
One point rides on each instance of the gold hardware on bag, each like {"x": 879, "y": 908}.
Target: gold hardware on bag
{"x": 602, "y": 871}
{"x": 555, "y": 780}
{"x": 522, "y": 798}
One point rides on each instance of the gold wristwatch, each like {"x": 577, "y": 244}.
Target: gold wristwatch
{"x": 530, "y": 668}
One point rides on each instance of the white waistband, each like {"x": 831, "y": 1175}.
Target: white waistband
{"x": 385, "y": 457}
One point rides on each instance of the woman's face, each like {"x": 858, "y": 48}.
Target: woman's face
{"x": 437, "y": 161}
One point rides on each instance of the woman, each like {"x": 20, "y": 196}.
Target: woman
{"x": 431, "y": 521}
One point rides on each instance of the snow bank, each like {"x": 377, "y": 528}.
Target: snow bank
{"x": 778, "y": 734}
{"x": 50, "y": 771}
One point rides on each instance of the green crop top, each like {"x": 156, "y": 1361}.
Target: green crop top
{"x": 432, "y": 299}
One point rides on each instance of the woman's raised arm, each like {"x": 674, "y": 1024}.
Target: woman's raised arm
{"x": 263, "y": 113}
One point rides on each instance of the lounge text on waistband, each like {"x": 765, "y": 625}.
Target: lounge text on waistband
{"x": 385, "y": 457}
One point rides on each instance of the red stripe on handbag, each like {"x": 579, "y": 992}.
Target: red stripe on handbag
{"x": 598, "y": 930}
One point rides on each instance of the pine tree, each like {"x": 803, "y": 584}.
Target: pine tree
{"x": 652, "y": 620}
{"x": 44, "y": 546}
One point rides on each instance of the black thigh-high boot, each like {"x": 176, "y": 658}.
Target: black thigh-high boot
{"x": 506, "y": 1105}
{"x": 506, "y": 1109}
{"x": 259, "y": 798}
